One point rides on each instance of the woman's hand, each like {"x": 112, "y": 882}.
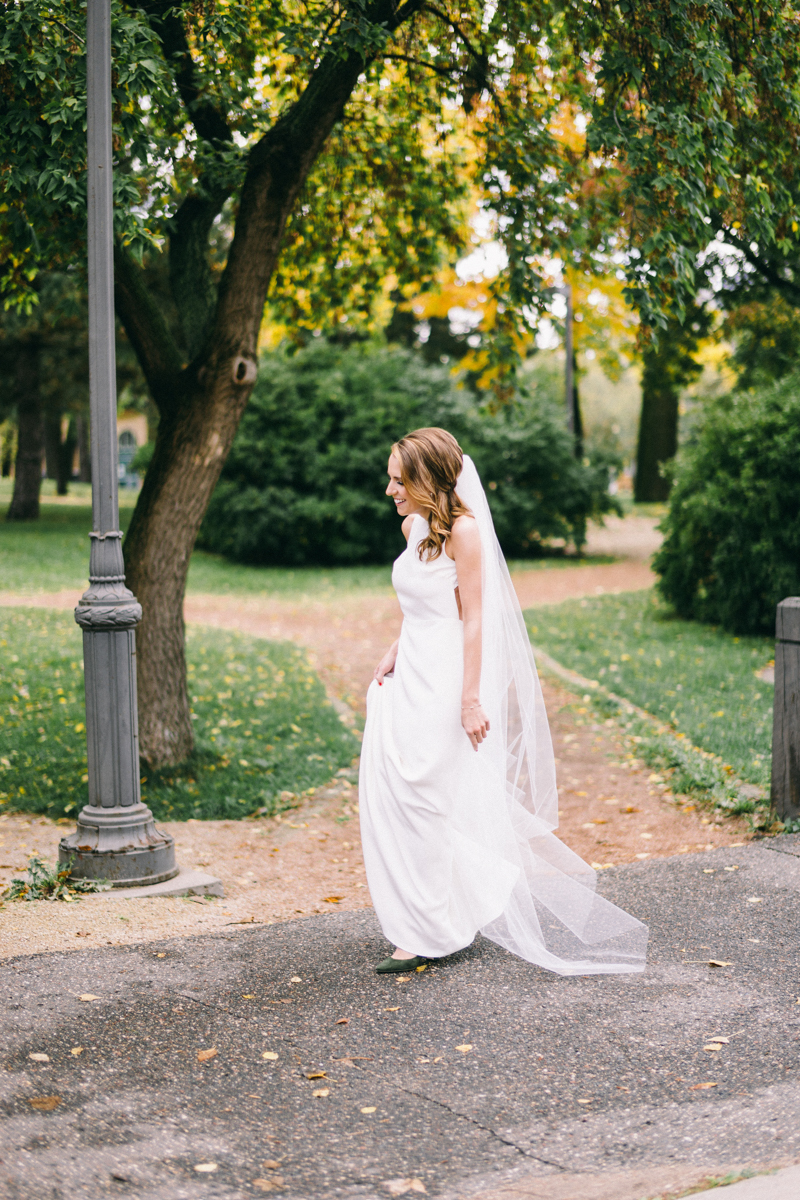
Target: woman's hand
{"x": 386, "y": 665}
{"x": 475, "y": 723}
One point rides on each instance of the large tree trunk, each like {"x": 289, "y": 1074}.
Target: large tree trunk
{"x": 658, "y": 435}
{"x": 200, "y": 405}
{"x": 30, "y": 436}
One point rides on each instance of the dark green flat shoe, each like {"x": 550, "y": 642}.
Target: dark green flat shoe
{"x": 398, "y": 966}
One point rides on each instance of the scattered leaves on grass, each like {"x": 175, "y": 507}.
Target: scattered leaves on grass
{"x": 39, "y": 1057}
{"x": 700, "y": 1087}
{"x": 269, "y": 1055}
{"x": 205, "y": 1055}
{"x": 320, "y": 1093}
{"x": 44, "y": 1103}
{"x": 400, "y": 1187}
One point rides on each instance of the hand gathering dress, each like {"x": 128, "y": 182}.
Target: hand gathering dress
{"x": 457, "y": 841}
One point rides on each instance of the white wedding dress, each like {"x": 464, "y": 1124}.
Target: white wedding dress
{"x": 455, "y": 841}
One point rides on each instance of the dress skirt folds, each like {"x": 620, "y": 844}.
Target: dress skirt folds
{"x": 455, "y": 841}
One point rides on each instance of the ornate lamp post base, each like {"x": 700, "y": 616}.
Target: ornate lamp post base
{"x": 120, "y": 846}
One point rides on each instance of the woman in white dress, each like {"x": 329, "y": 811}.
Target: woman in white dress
{"x": 457, "y": 789}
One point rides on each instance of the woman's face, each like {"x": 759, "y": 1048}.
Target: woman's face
{"x": 403, "y": 502}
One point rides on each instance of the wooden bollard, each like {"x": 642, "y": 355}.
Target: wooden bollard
{"x": 785, "y": 789}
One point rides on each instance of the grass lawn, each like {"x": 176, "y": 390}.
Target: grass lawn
{"x": 263, "y": 724}
{"x": 696, "y": 677}
{"x": 52, "y": 554}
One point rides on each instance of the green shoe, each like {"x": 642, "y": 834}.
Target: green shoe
{"x": 398, "y": 966}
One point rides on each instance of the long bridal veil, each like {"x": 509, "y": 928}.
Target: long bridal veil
{"x": 553, "y": 915}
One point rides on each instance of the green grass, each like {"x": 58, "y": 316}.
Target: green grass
{"x": 52, "y": 554}
{"x": 263, "y": 724}
{"x": 695, "y": 677}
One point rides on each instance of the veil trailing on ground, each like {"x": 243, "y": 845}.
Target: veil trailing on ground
{"x": 553, "y": 915}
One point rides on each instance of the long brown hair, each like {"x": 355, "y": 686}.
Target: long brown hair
{"x": 430, "y": 464}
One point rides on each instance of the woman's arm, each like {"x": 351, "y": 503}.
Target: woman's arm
{"x": 464, "y": 547}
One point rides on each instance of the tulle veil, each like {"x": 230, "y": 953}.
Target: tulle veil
{"x": 553, "y": 916}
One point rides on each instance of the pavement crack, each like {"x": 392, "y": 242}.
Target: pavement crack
{"x": 486, "y": 1129}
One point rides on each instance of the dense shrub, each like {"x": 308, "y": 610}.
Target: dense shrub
{"x": 732, "y": 547}
{"x": 304, "y": 482}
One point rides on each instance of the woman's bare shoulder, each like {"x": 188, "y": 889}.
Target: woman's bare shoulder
{"x": 464, "y": 537}
{"x": 406, "y": 526}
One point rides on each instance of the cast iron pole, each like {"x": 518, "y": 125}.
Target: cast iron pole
{"x": 116, "y": 838}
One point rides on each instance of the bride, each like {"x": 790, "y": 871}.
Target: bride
{"x": 457, "y": 788}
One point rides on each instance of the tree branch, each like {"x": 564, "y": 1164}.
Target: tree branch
{"x": 191, "y": 281}
{"x": 769, "y": 272}
{"x": 209, "y": 121}
{"x": 153, "y": 344}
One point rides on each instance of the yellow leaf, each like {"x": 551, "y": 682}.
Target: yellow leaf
{"x": 319, "y": 1093}
{"x": 395, "y": 1009}
{"x": 44, "y": 1103}
{"x": 249, "y": 996}
{"x": 270, "y": 1055}
{"x": 316, "y": 1074}
{"x": 205, "y": 1055}
{"x": 465, "y": 1048}
{"x": 332, "y": 899}
{"x": 88, "y": 996}
{"x": 76, "y": 1050}
{"x": 368, "y": 1110}
{"x": 701, "y": 1086}
{"x": 162, "y": 954}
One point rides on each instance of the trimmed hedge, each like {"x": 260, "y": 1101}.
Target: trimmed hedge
{"x": 304, "y": 481}
{"x": 732, "y": 546}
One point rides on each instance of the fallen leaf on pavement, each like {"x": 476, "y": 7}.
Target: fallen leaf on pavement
{"x": 368, "y": 1110}
{"x": 44, "y": 1103}
{"x": 342, "y": 1021}
{"x": 248, "y": 996}
{"x": 465, "y": 1048}
{"x": 712, "y": 1046}
{"x": 271, "y": 1164}
{"x": 715, "y": 962}
{"x": 76, "y": 1050}
{"x": 701, "y": 1086}
{"x": 395, "y": 1009}
{"x": 204, "y": 1056}
{"x": 755, "y": 899}
{"x": 316, "y": 1074}
{"x": 332, "y": 899}
{"x": 400, "y": 1187}
{"x": 205, "y": 1168}
{"x": 270, "y": 1055}
{"x": 724, "y": 1040}
{"x": 585, "y": 1101}
{"x": 268, "y": 1185}
{"x": 424, "y": 967}
{"x": 88, "y": 996}
{"x": 296, "y": 979}
{"x": 320, "y": 1092}
{"x": 39, "y": 1057}
{"x": 402, "y": 978}
{"x": 162, "y": 954}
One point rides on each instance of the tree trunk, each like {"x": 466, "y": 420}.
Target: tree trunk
{"x": 84, "y": 453}
{"x": 658, "y": 436}
{"x": 200, "y": 405}
{"x": 66, "y": 454}
{"x": 30, "y": 436}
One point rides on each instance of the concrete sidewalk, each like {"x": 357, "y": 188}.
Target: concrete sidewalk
{"x": 479, "y": 1077}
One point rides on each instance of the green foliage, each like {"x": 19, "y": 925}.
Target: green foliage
{"x": 732, "y": 545}
{"x": 265, "y": 731}
{"x": 702, "y": 681}
{"x": 304, "y": 482}
{"x": 49, "y": 883}
{"x": 766, "y": 335}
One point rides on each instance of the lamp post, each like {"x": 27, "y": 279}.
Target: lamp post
{"x": 116, "y": 838}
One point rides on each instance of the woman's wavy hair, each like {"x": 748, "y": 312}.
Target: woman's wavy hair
{"x": 430, "y": 464}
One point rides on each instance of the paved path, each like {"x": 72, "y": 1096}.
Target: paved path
{"x": 480, "y": 1077}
